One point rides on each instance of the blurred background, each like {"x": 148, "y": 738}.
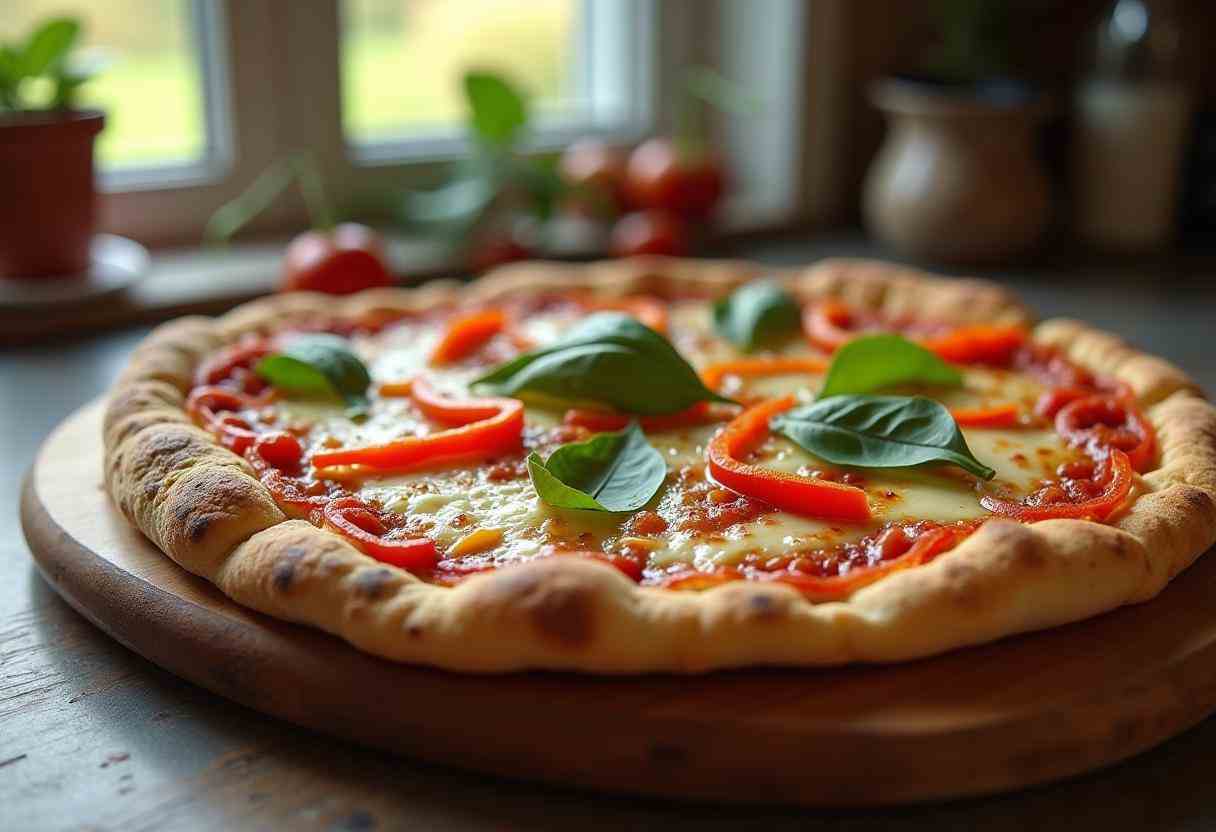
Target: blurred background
{"x": 957, "y": 133}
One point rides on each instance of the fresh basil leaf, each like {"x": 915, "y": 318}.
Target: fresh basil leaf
{"x": 497, "y": 109}
{"x": 609, "y": 472}
{"x": 756, "y": 314}
{"x": 607, "y": 358}
{"x": 49, "y": 44}
{"x": 872, "y": 362}
{"x": 880, "y": 432}
{"x": 318, "y": 365}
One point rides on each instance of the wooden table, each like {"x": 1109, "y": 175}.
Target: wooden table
{"x": 92, "y": 736}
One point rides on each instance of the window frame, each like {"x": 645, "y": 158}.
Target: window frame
{"x": 273, "y": 76}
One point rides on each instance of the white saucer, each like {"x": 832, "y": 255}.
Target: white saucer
{"x": 116, "y": 264}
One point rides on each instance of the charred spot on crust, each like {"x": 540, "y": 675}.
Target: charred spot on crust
{"x": 196, "y": 527}
{"x": 166, "y": 444}
{"x": 1020, "y": 542}
{"x": 283, "y": 573}
{"x": 564, "y": 613}
{"x": 560, "y": 606}
{"x": 764, "y": 606}
{"x": 1122, "y": 547}
{"x": 1198, "y": 499}
{"x": 372, "y": 584}
{"x": 210, "y": 500}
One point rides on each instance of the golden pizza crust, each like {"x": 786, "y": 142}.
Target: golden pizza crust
{"x": 200, "y": 504}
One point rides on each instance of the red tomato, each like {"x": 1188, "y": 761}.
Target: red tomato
{"x": 658, "y": 177}
{"x": 649, "y": 232}
{"x": 348, "y": 259}
{"x": 498, "y": 250}
{"x": 598, "y": 170}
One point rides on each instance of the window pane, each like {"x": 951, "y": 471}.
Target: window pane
{"x": 402, "y": 60}
{"x": 152, "y": 91}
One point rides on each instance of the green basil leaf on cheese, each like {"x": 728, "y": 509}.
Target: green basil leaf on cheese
{"x": 880, "y": 432}
{"x": 318, "y": 365}
{"x": 609, "y": 472}
{"x": 872, "y": 362}
{"x": 609, "y": 359}
{"x": 757, "y": 314}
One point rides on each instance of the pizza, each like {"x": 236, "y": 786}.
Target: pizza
{"x": 660, "y": 465}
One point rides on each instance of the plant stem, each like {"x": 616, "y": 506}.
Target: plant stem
{"x": 320, "y": 211}
{"x": 255, "y": 199}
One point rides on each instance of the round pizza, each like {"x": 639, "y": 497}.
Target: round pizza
{"x": 664, "y": 465}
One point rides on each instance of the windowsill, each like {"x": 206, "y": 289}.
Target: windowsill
{"x": 193, "y": 280}
{"x": 185, "y": 281}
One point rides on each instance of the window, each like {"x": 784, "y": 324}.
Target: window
{"x": 205, "y": 94}
{"x": 152, "y": 88}
{"x": 580, "y": 61}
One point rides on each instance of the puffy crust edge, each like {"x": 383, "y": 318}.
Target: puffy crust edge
{"x": 571, "y": 613}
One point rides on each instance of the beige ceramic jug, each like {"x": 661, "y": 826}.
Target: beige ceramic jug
{"x": 957, "y": 179}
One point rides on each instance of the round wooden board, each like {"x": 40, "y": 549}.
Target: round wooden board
{"x": 1022, "y": 711}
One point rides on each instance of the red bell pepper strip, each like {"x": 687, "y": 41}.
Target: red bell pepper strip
{"x": 1118, "y": 476}
{"x": 978, "y": 344}
{"x": 238, "y": 356}
{"x": 1110, "y": 423}
{"x": 631, "y": 567}
{"x": 790, "y": 492}
{"x": 761, "y": 366}
{"x": 465, "y": 334}
{"x": 362, "y": 526}
{"x": 828, "y": 324}
{"x": 696, "y": 581}
{"x": 920, "y": 550}
{"x": 837, "y": 587}
{"x": 216, "y": 409}
{"x": 296, "y": 496}
{"x": 486, "y": 428}
{"x": 999, "y": 416}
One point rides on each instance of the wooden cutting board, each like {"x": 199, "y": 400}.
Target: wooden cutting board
{"x": 1022, "y": 711}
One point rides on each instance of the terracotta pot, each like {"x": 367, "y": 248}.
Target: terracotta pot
{"x": 957, "y": 179}
{"x": 47, "y": 199}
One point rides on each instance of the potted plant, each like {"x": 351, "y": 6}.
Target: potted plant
{"x": 957, "y": 179}
{"x": 47, "y": 202}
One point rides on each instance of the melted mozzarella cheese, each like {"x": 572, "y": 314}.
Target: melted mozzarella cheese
{"x": 448, "y": 504}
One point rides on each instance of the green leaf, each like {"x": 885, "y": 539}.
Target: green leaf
{"x": 497, "y": 109}
{"x": 49, "y": 44}
{"x": 12, "y": 68}
{"x": 609, "y": 472}
{"x": 875, "y": 361}
{"x": 11, "y": 72}
{"x": 880, "y": 432}
{"x": 607, "y": 358}
{"x": 318, "y": 365}
{"x": 756, "y": 314}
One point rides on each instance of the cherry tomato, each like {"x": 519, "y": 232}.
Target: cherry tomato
{"x": 649, "y": 232}
{"x": 660, "y": 177}
{"x": 497, "y": 250}
{"x": 347, "y": 259}
{"x": 597, "y": 171}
